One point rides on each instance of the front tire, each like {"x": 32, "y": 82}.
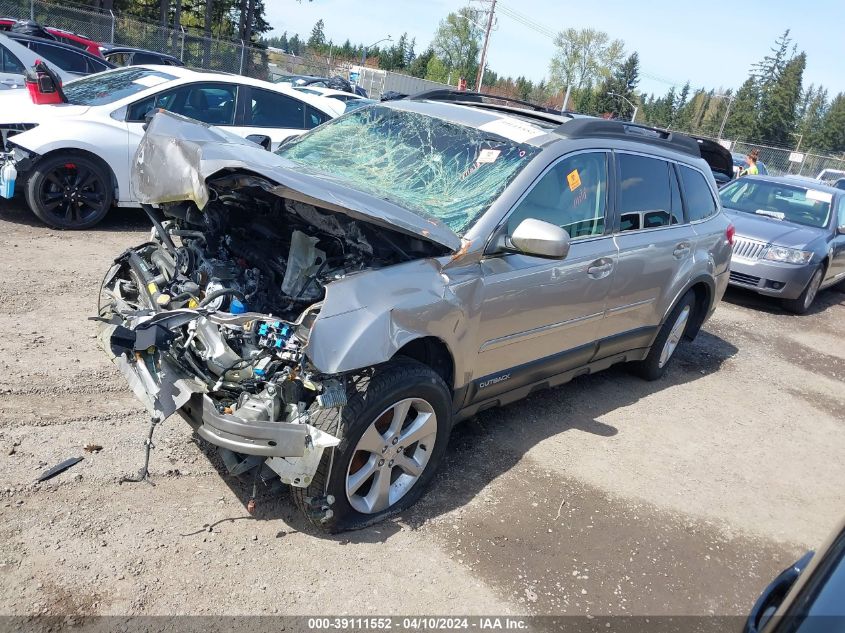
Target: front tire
{"x": 393, "y": 435}
{"x": 805, "y": 300}
{"x": 67, "y": 191}
{"x": 667, "y": 341}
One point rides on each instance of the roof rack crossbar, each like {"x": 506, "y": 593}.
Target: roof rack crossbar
{"x": 443, "y": 94}
{"x": 605, "y": 128}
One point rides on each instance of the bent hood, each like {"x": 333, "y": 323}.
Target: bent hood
{"x": 772, "y": 231}
{"x": 177, "y": 156}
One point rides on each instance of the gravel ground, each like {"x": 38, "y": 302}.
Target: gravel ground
{"x": 606, "y": 496}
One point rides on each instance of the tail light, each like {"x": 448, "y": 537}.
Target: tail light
{"x": 729, "y": 234}
{"x": 43, "y": 85}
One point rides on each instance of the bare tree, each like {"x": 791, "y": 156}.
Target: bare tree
{"x": 583, "y": 56}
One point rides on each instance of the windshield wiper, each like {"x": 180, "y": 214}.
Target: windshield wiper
{"x": 777, "y": 215}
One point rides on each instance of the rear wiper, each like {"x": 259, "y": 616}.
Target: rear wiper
{"x": 777, "y": 215}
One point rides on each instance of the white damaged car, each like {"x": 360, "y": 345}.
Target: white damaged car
{"x": 73, "y": 158}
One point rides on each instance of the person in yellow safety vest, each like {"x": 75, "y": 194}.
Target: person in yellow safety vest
{"x": 751, "y": 159}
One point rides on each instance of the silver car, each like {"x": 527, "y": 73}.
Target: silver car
{"x": 790, "y": 237}
{"x": 327, "y": 313}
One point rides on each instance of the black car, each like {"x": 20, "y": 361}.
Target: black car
{"x": 334, "y": 83}
{"x": 69, "y": 58}
{"x": 127, "y": 56}
{"x": 808, "y": 596}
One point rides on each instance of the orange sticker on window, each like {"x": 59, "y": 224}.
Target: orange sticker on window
{"x": 573, "y": 179}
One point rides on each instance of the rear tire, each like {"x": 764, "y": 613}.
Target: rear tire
{"x": 404, "y": 401}
{"x": 670, "y": 336}
{"x": 805, "y": 300}
{"x": 67, "y": 191}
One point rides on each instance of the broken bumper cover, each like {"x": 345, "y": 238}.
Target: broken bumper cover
{"x": 293, "y": 449}
{"x": 269, "y": 439}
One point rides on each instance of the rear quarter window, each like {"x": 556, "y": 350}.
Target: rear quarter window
{"x": 698, "y": 196}
{"x": 648, "y": 193}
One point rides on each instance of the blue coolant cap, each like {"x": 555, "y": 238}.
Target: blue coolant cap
{"x": 237, "y": 306}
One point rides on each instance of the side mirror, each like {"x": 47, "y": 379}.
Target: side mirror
{"x": 260, "y": 139}
{"x": 841, "y": 230}
{"x": 542, "y": 239}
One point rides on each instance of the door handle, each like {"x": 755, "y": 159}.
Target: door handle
{"x": 681, "y": 250}
{"x": 600, "y": 268}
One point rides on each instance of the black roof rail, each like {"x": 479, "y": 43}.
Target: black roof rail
{"x": 464, "y": 96}
{"x": 623, "y": 130}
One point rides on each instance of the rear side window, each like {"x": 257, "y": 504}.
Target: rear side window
{"x": 67, "y": 60}
{"x": 139, "y": 59}
{"x": 648, "y": 194}
{"x": 699, "y": 197}
{"x": 118, "y": 59}
{"x": 9, "y": 63}
{"x": 313, "y": 117}
{"x": 69, "y": 41}
{"x": 271, "y": 109}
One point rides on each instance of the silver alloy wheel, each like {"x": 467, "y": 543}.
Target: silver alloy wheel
{"x": 813, "y": 290}
{"x": 391, "y": 455}
{"x": 674, "y": 337}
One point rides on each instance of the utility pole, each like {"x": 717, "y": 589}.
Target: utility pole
{"x": 727, "y": 112}
{"x": 486, "y": 43}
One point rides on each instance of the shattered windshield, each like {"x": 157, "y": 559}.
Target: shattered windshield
{"x": 432, "y": 167}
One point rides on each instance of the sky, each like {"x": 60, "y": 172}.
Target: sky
{"x": 711, "y": 44}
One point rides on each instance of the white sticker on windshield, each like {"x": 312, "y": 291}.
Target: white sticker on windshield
{"x": 149, "y": 80}
{"x": 488, "y": 155}
{"x": 821, "y": 196}
{"x": 512, "y": 129}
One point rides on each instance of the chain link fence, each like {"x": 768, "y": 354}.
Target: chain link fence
{"x": 192, "y": 48}
{"x": 781, "y": 161}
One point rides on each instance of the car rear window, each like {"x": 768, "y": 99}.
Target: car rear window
{"x": 113, "y": 86}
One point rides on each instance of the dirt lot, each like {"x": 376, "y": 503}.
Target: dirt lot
{"x": 607, "y": 496}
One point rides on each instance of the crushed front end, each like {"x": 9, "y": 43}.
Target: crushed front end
{"x": 174, "y": 319}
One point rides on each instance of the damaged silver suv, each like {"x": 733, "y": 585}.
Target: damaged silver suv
{"x": 325, "y": 314}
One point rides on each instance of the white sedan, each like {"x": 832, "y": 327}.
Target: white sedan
{"x": 350, "y": 101}
{"x": 15, "y": 59}
{"x": 75, "y": 157}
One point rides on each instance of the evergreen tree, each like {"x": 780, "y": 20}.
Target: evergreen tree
{"x": 715, "y": 115}
{"x": 419, "y": 66}
{"x": 810, "y": 124}
{"x": 295, "y": 44}
{"x": 662, "y": 110}
{"x": 767, "y": 71}
{"x": 831, "y": 136}
{"x": 779, "y": 106}
{"x": 585, "y": 99}
{"x": 620, "y": 86}
{"x": 742, "y": 121}
{"x": 680, "y": 114}
{"x": 523, "y": 88}
{"x": 318, "y": 36}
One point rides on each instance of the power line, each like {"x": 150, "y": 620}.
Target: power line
{"x": 530, "y": 23}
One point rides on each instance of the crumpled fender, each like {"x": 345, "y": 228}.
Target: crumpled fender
{"x": 367, "y": 317}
